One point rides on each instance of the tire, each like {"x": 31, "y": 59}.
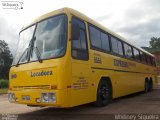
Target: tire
{"x": 146, "y": 89}
{"x": 104, "y": 94}
{"x": 150, "y": 85}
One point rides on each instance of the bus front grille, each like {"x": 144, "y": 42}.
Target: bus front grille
{"x": 31, "y": 87}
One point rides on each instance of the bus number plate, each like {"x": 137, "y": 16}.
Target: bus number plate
{"x": 26, "y": 98}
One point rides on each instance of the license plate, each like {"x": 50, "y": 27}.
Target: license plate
{"x": 26, "y": 98}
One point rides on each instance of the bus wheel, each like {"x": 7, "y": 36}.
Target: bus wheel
{"x": 146, "y": 86}
{"x": 150, "y": 85}
{"x": 103, "y": 93}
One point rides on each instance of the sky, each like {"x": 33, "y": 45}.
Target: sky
{"x": 135, "y": 20}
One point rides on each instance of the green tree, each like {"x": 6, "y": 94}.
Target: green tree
{"x": 155, "y": 43}
{"x": 155, "y": 47}
{"x": 5, "y": 60}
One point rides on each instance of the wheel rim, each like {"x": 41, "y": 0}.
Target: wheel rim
{"x": 104, "y": 92}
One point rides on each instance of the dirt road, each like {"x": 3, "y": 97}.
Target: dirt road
{"x": 136, "y": 104}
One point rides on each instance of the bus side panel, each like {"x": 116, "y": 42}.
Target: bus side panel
{"x": 80, "y": 83}
{"x": 125, "y": 79}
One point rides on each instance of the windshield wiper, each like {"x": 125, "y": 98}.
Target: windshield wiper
{"x": 26, "y": 50}
{"x": 38, "y": 54}
{"x": 32, "y": 48}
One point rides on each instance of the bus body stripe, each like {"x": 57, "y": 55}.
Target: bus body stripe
{"x": 119, "y": 70}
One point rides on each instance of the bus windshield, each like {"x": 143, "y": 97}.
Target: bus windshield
{"x": 47, "y": 36}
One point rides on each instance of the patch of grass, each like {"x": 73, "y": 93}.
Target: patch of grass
{"x": 3, "y": 84}
{"x": 3, "y": 91}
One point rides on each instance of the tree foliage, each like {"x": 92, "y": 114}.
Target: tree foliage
{"x": 5, "y": 60}
{"x": 155, "y": 47}
{"x": 155, "y": 44}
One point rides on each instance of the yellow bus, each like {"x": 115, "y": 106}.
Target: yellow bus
{"x": 66, "y": 59}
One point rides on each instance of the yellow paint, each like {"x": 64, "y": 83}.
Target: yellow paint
{"x": 74, "y": 81}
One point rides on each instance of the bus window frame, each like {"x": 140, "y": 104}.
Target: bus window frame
{"x": 86, "y": 40}
{"x": 67, "y": 25}
{"x": 114, "y": 54}
{"x": 94, "y": 47}
{"x": 137, "y": 60}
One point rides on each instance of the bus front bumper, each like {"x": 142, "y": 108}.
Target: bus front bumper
{"x": 55, "y": 98}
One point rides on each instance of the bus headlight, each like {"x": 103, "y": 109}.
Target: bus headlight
{"x": 51, "y": 97}
{"x": 11, "y": 97}
{"x": 48, "y": 97}
{"x": 44, "y": 97}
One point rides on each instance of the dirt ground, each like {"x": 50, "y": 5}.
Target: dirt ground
{"x": 137, "y": 106}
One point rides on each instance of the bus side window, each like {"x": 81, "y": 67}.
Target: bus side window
{"x": 79, "y": 41}
{"x": 154, "y": 61}
{"x": 136, "y": 54}
{"x": 143, "y": 57}
{"x": 148, "y": 60}
{"x": 99, "y": 39}
{"x": 116, "y": 46}
{"x": 128, "y": 51}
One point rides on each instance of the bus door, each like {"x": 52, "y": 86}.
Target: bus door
{"x": 80, "y": 84}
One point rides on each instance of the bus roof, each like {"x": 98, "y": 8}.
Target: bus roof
{"x": 85, "y": 18}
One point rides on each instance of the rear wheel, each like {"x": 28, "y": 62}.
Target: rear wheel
{"x": 103, "y": 93}
{"x": 146, "y": 86}
{"x": 150, "y": 85}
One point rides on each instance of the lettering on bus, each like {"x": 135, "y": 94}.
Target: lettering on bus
{"x": 42, "y": 73}
{"x": 81, "y": 83}
{"x": 121, "y": 63}
{"x": 97, "y": 58}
